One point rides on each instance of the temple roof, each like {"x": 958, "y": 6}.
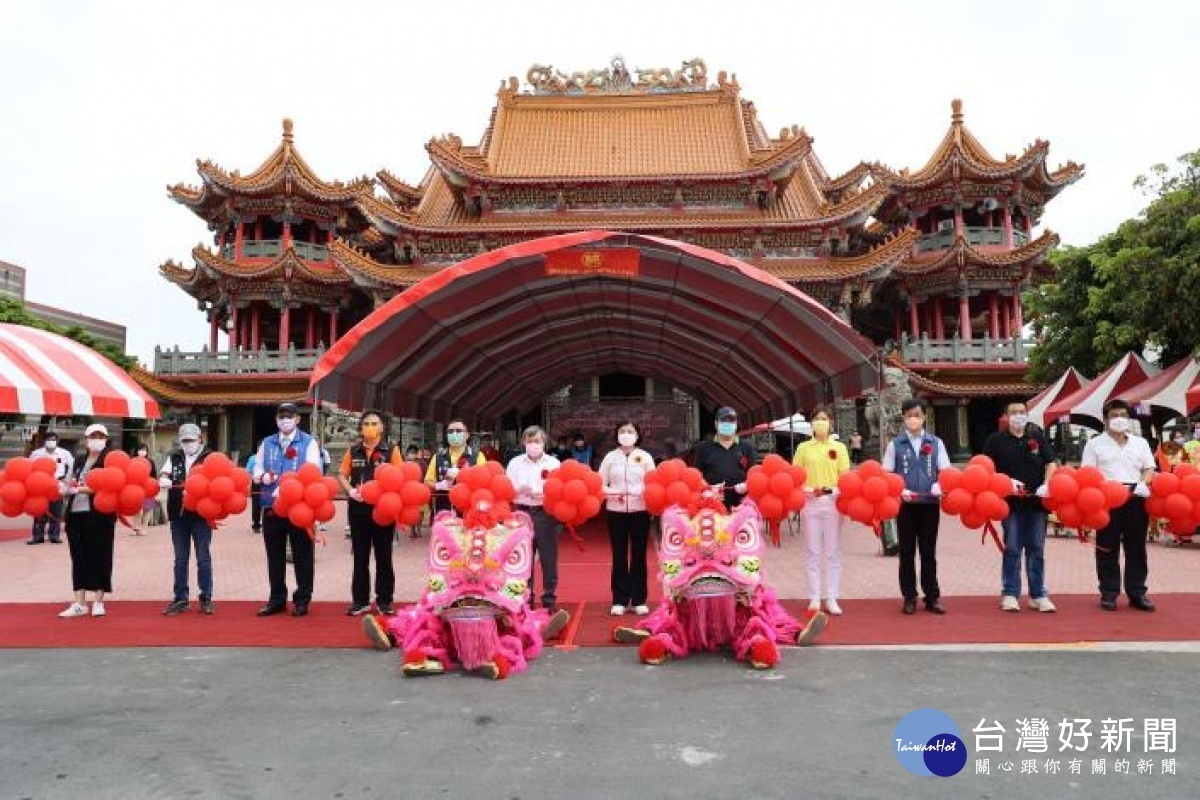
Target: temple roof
{"x": 874, "y": 264}
{"x": 284, "y": 172}
{"x": 962, "y": 255}
{"x": 224, "y": 390}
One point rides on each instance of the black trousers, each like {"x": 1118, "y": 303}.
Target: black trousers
{"x": 90, "y": 537}
{"x": 367, "y": 537}
{"x": 48, "y": 523}
{"x": 1126, "y": 529}
{"x": 256, "y": 505}
{"x": 917, "y": 528}
{"x": 628, "y": 534}
{"x": 277, "y": 532}
{"x": 545, "y": 546}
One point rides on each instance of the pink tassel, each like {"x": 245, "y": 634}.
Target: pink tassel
{"x": 476, "y": 641}
{"x": 711, "y": 621}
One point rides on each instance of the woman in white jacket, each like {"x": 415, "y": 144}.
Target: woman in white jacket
{"x": 623, "y": 471}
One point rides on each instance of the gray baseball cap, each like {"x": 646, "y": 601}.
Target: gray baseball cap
{"x": 189, "y": 432}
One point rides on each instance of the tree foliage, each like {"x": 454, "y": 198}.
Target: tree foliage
{"x": 14, "y": 311}
{"x": 1137, "y": 288}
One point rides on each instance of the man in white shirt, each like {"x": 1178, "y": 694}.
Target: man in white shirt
{"x": 1126, "y": 458}
{"x": 49, "y": 523}
{"x": 528, "y": 473}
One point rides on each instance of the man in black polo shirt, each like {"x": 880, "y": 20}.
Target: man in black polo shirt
{"x": 725, "y": 459}
{"x": 1023, "y": 453}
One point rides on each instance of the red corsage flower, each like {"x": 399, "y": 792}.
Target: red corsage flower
{"x": 462, "y": 462}
{"x": 926, "y": 449}
{"x": 832, "y": 454}
{"x": 743, "y": 462}
{"x": 377, "y": 456}
{"x": 1033, "y": 445}
{"x": 290, "y": 452}
{"x": 545, "y": 474}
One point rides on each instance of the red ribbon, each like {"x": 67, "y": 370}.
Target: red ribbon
{"x": 773, "y": 530}
{"x": 877, "y": 526}
{"x": 575, "y": 535}
{"x": 989, "y": 527}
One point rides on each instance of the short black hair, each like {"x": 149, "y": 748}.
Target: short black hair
{"x": 383, "y": 418}
{"x": 1117, "y": 404}
{"x": 914, "y": 402}
{"x": 636, "y": 428}
{"x": 820, "y": 409}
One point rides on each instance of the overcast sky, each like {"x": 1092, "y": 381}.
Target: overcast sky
{"x": 106, "y": 103}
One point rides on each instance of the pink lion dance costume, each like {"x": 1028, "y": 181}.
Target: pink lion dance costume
{"x": 473, "y": 610}
{"x": 714, "y": 595}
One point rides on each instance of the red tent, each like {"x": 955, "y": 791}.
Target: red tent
{"x": 1115, "y": 381}
{"x": 1176, "y": 388}
{"x": 505, "y": 328}
{"x": 1070, "y": 381}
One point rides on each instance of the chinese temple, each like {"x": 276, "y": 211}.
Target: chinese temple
{"x": 928, "y": 263}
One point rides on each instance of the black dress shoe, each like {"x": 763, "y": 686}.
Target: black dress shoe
{"x": 910, "y": 607}
{"x": 1108, "y": 603}
{"x": 935, "y": 607}
{"x": 1142, "y": 603}
{"x": 34, "y": 541}
{"x": 272, "y": 608}
{"x": 300, "y": 610}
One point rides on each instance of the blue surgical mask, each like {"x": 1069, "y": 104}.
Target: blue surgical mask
{"x": 456, "y": 439}
{"x": 726, "y": 428}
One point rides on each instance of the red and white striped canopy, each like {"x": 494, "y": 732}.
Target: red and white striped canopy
{"x": 44, "y": 373}
{"x": 504, "y": 329}
{"x": 1089, "y": 400}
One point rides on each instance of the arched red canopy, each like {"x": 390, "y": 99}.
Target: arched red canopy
{"x": 505, "y": 328}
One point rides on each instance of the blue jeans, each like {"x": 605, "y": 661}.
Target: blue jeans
{"x": 1024, "y": 531}
{"x": 184, "y": 531}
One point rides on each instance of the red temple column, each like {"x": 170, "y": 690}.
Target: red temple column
{"x": 1018, "y": 315}
{"x": 1005, "y": 317}
{"x": 914, "y": 320}
{"x": 212, "y": 331}
{"x": 333, "y": 327}
{"x": 310, "y": 328}
{"x": 958, "y": 221}
{"x": 233, "y": 326}
{"x": 237, "y": 242}
{"x": 993, "y": 316}
{"x": 255, "y": 330}
{"x": 285, "y": 319}
{"x": 287, "y": 236}
{"x": 939, "y": 324}
{"x": 1008, "y": 228}
{"x": 964, "y": 318}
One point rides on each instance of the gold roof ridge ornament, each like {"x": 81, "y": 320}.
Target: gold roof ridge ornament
{"x": 692, "y": 76}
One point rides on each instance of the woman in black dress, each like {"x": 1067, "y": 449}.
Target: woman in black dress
{"x": 89, "y": 532}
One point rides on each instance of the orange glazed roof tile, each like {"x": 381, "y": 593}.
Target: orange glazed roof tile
{"x": 189, "y": 391}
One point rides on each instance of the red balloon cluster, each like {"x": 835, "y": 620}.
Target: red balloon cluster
{"x": 483, "y": 487}
{"x": 1175, "y": 497}
{"x": 776, "y": 487}
{"x": 870, "y": 494}
{"x": 28, "y": 487}
{"x": 397, "y": 494}
{"x": 673, "y": 483}
{"x": 216, "y": 488}
{"x": 122, "y": 484}
{"x": 1082, "y": 498}
{"x": 975, "y": 493}
{"x": 573, "y": 493}
{"x": 306, "y": 497}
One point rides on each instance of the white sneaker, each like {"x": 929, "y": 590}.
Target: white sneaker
{"x": 833, "y": 608}
{"x": 1009, "y": 603}
{"x": 98, "y": 609}
{"x": 641, "y": 611}
{"x": 616, "y": 610}
{"x": 1043, "y": 605}
{"x": 814, "y": 605}
{"x": 73, "y": 610}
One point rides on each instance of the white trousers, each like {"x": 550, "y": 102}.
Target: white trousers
{"x": 823, "y": 535}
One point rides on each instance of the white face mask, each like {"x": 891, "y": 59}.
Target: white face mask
{"x": 190, "y": 448}
{"x": 50, "y": 445}
{"x": 533, "y": 450}
{"x": 286, "y": 425}
{"x": 96, "y": 445}
{"x": 1018, "y": 420}
{"x": 1119, "y": 424}
{"x": 627, "y": 439}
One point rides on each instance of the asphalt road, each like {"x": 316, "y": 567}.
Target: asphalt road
{"x": 591, "y": 723}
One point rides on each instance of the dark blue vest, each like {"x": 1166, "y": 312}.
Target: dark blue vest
{"x": 920, "y": 472}
{"x": 276, "y": 462}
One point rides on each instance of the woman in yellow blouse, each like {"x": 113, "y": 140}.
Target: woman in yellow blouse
{"x": 825, "y": 459}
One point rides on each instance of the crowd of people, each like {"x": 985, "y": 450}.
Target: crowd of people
{"x": 1020, "y": 450}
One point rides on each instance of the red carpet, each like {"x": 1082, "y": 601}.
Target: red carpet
{"x": 972, "y": 620}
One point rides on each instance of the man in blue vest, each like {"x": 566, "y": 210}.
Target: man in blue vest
{"x": 187, "y": 527}
{"x": 918, "y": 456}
{"x": 280, "y": 453}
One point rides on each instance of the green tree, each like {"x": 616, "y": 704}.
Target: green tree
{"x": 1137, "y": 287}
{"x": 14, "y": 311}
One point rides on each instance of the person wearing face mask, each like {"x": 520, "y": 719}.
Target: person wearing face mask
{"x": 1170, "y": 453}
{"x": 581, "y": 451}
{"x": 1124, "y": 457}
{"x": 443, "y": 468}
{"x": 623, "y": 472}
{"x": 528, "y": 473}
{"x": 725, "y": 459}
{"x": 282, "y": 452}
{"x": 1023, "y": 452}
{"x": 188, "y": 529}
{"x": 824, "y": 460}
{"x": 145, "y": 516}
{"x": 48, "y": 524}
{"x": 90, "y": 533}
{"x": 917, "y": 456}
{"x": 366, "y": 535}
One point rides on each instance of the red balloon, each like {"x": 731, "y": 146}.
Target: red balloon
{"x": 575, "y": 491}
{"x": 679, "y": 494}
{"x": 850, "y": 485}
{"x": 460, "y": 496}
{"x": 93, "y": 480}
{"x": 138, "y": 470}
{"x": 308, "y": 473}
{"x": 210, "y": 508}
{"x": 1165, "y": 483}
{"x": 301, "y": 515}
{"x": 501, "y": 487}
{"x": 595, "y": 485}
{"x": 796, "y": 500}
{"x": 412, "y": 516}
{"x": 1191, "y": 486}
{"x": 314, "y": 494}
{"x": 482, "y": 498}
{"x": 564, "y": 511}
{"x": 958, "y": 501}
{"x": 1115, "y": 494}
{"x": 370, "y": 491}
{"x": 656, "y": 498}
{"x": 291, "y": 491}
{"x": 131, "y": 498}
{"x": 476, "y": 477}
{"x": 870, "y": 468}
{"x": 46, "y": 465}
{"x": 325, "y": 511}
{"x": 1156, "y": 506}
{"x": 771, "y": 507}
{"x": 781, "y": 484}
{"x": 1070, "y": 516}
{"x": 758, "y": 483}
{"x": 236, "y": 503}
{"x": 40, "y": 484}
{"x": 985, "y": 504}
{"x": 552, "y": 490}
{"x": 18, "y": 468}
{"x": 221, "y": 487}
{"x": 105, "y": 502}
{"x": 111, "y": 479}
{"x": 887, "y": 508}
{"x": 950, "y": 478}
{"x": 975, "y": 479}
{"x": 973, "y": 519}
{"x": 1089, "y": 477}
{"x": 983, "y": 461}
{"x": 417, "y": 494}
{"x": 589, "y": 508}
{"x": 1064, "y": 487}
{"x": 9, "y": 510}
{"x": 390, "y": 478}
{"x": 1000, "y": 484}
{"x": 1090, "y": 500}
{"x": 861, "y": 510}
{"x": 118, "y": 459}
{"x": 1177, "y": 506}
{"x": 1096, "y": 520}
{"x": 895, "y": 483}
{"x": 411, "y": 471}
{"x": 38, "y": 505}
{"x": 13, "y": 492}
{"x": 874, "y": 489}
{"x": 692, "y": 477}
{"x": 773, "y": 464}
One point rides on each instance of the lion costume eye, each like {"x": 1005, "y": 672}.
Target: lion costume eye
{"x": 675, "y": 528}
{"x": 439, "y": 556}
{"x": 518, "y": 561}
{"x": 748, "y": 538}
